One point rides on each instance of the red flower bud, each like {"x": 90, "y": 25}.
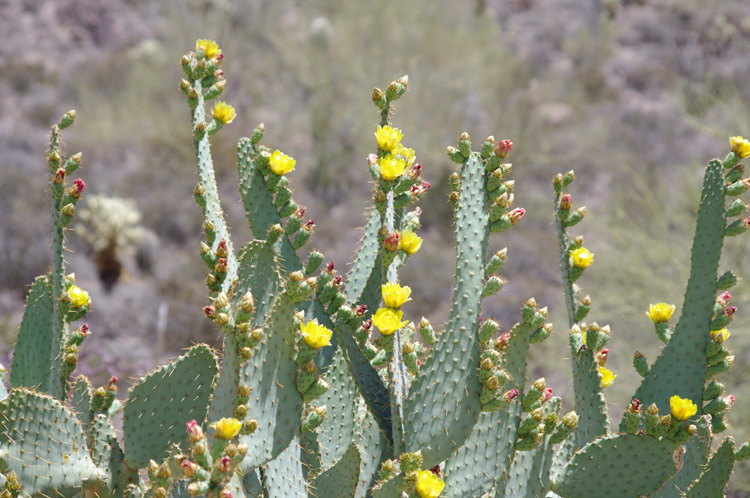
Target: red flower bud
{"x": 503, "y": 148}
{"x": 392, "y": 241}
{"x": 566, "y": 201}
{"x": 360, "y": 310}
{"x": 516, "y": 215}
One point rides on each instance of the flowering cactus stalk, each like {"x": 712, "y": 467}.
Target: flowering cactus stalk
{"x": 323, "y": 386}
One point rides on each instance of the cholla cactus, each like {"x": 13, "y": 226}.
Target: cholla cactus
{"x": 326, "y": 387}
{"x": 109, "y": 225}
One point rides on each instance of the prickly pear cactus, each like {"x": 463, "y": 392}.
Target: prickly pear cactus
{"x": 325, "y": 386}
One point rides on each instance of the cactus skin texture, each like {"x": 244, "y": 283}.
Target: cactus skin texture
{"x": 368, "y": 415}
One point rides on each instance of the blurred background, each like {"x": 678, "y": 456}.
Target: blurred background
{"x": 634, "y": 95}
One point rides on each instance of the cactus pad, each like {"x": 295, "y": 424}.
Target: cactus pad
{"x": 162, "y": 403}
{"x": 33, "y": 354}
{"x": 284, "y": 475}
{"x": 42, "y": 442}
{"x": 340, "y": 480}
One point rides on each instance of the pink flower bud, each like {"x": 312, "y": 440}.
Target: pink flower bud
{"x": 635, "y": 405}
{"x": 367, "y": 325}
{"x": 59, "y": 176}
{"x": 516, "y": 215}
{"x": 338, "y": 280}
{"x": 189, "y": 468}
{"x": 219, "y": 57}
{"x": 436, "y": 470}
{"x": 566, "y": 201}
{"x": 360, "y": 310}
{"x": 730, "y": 310}
{"x": 415, "y": 171}
{"x": 725, "y": 296}
{"x": 372, "y": 159}
{"x": 310, "y": 224}
{"x": 85, "y": 328}
{"x": 209, "y": 311}
{"x": 225, "y": 493}
{"x": 300, "y": 211}
{"x": 111, "y": 383}
{"x": 503, "y": 148}
{"x": 510, "y": 394}
{"x": 547, "y": 394}
{"x": 392, "y": 241}
{"x": 79, "y": 185}
{"x": 502, "y": 341}
{"x": 330, "y": 266}
{"x": 224, "y": 464}
{"x": 195, "y": 433}
{"x": 730, "y": 401}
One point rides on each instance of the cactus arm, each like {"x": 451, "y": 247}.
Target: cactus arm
{"x": 681, "y": 367}
{"x": 363, "y": 280}
{"x": 528, "y": 475}
{"x": 443, "y": 403}
{"x": 284, "y": 475}
{"x": 596, "y": 466}
{"x": 43, "y": 443}
{"x": 31, "y": 357}
{"x": 259, "y": 203}
{"x": 252, "y": 484}
{"x": 257, "y": 274}
{"x": 694, "y": 460}
{"x": 341, "y": 479}
{"x": 589, "y": 399}
{"x": 161, "y": 403}
{"x": 107, "y": 454}
{"x": 274, "y": 400}
{"x": 81, "y": 401}
{"x": 212, "y": 212}
{"x": 718, "y": 471}
{"x": 462, "y": 478}
{"x": 368, "y": 380}
{"x": 375, "y": 448}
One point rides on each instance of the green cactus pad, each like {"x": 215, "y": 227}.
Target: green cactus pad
{"x": 374, "y": 449}
{"x": 43, "y": 443}
{"x": 284, "y": 475}
{"x": 392, "y": 488}
{"x": 106, "y": 452}
{"x": 681, "y": 367}
{"x": 161, "y": 403}
{"x": 591, "y": 407}
{"x": 258, "y": 273}
{"x": 258, "y": 201}
{"x": 694, "y": 460}
{"x": 711, "y": 484}
{"x": 485, "y": 456}
{"x": 339, "y": 480}
{"x": 81, "y": 401}
{"x": 528, "y": 475}
{"x": 443, "y": 403}
{"x": 274, "y": 400}
{"x": 368, "y": 380}
{"x": 33, "y": 354}
{"x": 365, "y": 278}
{"x": 621, "y": 466}
{"x": 252, "y": 484}
{"x": 338, "y": 430}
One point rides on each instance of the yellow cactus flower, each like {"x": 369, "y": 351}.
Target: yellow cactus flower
{"x": 388, "y": 321}
{"x": 394, "y": 296}
{"x": 723, "y": 333}
{"x": 391, "y": 167}
{"x": 410, "y": 242}
{"x": 210, "y": 47}
{"x": 582, "y": 258}
{"x": 281, "y": 164}
{"x": 408, "y": 154}
{"x": 682, "y": 408}
{"x": 429, "y": 485}
{"x": 315, "y": 335}
{"x": 740, "y": 146}
{"x": 79, "y": 298}
{"x": 608, "y": 377}
{"x": 224, "y": 112}
{"x": 226, "y": 428}
{"x": 660, "y": 312}
{"x": 388, "y": 138}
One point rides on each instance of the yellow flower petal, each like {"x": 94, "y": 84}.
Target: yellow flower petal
{"x": 391, "y": 167}
{"x": 608, "y": 377}
{"x": 281, "y": 164}
{"x": 682, "y": 408}
{"x": 210, "y": 47}
{"x": 79, "y": 298}
{"x": 724, "y": 333}
{"x": 224, "y": 112}
{"x": 410, "y": 242}
{"x": 394, "y": 296}
{"x": 429, "y": 485}
{"x": 315, "y": 335}
{"x": 660, "y": 312}
{"x": 740, "y": 146}
{"x": 582, "y": 258}
{"x": 388, "y": 321}
{"x": 226, "y": 428}
{"x": 388, "y": 138}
